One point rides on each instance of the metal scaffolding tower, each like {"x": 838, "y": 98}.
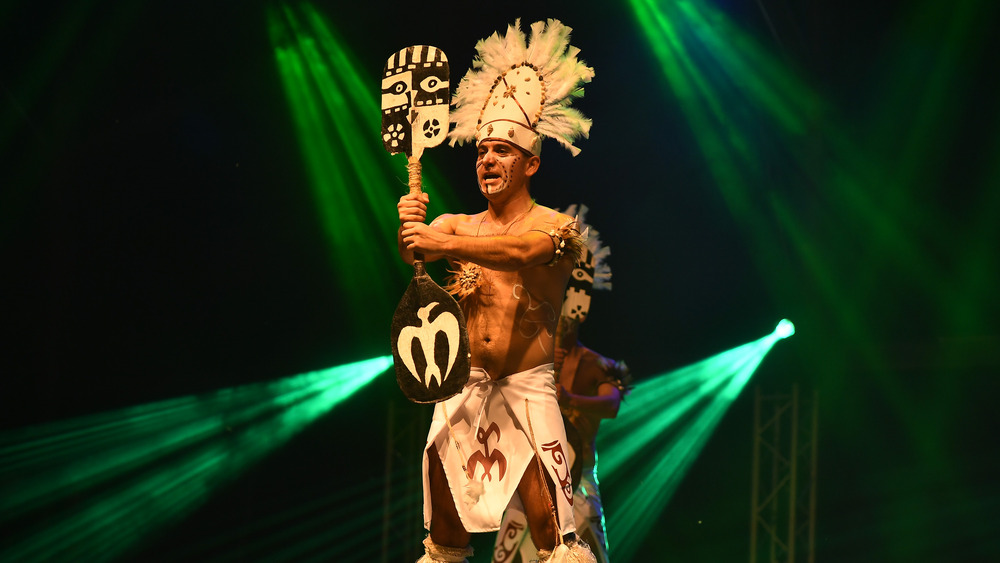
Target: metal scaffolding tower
{"x": 783, "y": 503}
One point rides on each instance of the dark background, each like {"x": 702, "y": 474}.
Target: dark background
{"x": 158, "y": 239}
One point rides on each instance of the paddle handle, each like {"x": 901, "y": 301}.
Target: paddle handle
{"x": 413, "y": 173}
{"x": 413, "y": 169}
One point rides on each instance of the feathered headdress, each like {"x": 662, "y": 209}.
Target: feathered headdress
{"x": 520, "y": 91}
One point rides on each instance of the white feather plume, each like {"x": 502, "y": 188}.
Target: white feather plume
{"x": 549, "y": 51}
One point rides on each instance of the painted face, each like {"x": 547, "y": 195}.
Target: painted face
{"x": 499, "y": 165}
{"x": 415, "y": 99}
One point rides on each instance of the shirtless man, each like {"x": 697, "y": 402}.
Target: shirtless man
{"x": 502, "y": 437}
{"x": 513, "y": 262}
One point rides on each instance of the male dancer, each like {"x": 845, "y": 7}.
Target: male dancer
{"x": 503, "y": 435}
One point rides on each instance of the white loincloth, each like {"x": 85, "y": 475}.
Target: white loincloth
{"x": 489, "y": 419}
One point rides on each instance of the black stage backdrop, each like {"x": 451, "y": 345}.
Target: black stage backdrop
{"x": 159, "y": 239}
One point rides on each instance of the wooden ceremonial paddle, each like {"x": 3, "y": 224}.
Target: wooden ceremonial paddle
{"x": 430, "y": 343}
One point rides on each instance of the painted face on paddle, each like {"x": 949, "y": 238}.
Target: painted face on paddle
{"x": 501, "y": 165}
{"x": 415, "y": 100}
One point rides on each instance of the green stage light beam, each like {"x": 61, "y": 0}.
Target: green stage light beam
{"x": 923, "y": 91}
{"x": 661, "y": 429}
{"x": 726, "y": 88}
{"x": 886, "y": 175}
{"x": 733, "y": 92}
{"x": 922, "y": 100}
{"x": 738, "y": 97}
{"x": 784, "y": 329}
{"x": 93, "y": 488}
{"x": 735, "y": 96}
{"x": 315, "y": 529}
{"x": 335, "y": 107}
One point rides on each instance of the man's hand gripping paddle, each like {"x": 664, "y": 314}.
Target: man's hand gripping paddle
{"x": 430, "y": 344}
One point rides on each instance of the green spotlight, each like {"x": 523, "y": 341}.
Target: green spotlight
{"x": 660, "y": 430}
{"x": 315, "y": 527}
{"x": 334, "y": 106}
{"x": 94, "y": 487}
{"x": 784, "y": 329}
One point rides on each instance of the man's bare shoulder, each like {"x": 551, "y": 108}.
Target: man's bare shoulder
{"x": 545, "y": 218}
{"x": 590, "y": 356}
{"x": 594, "y": 368}
{"x": 603, "y": 362}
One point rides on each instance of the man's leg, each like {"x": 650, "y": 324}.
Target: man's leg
{"x": 538, "y": 506}
{"x": 446, "y": 525}
{"x": 543, "y": 517}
